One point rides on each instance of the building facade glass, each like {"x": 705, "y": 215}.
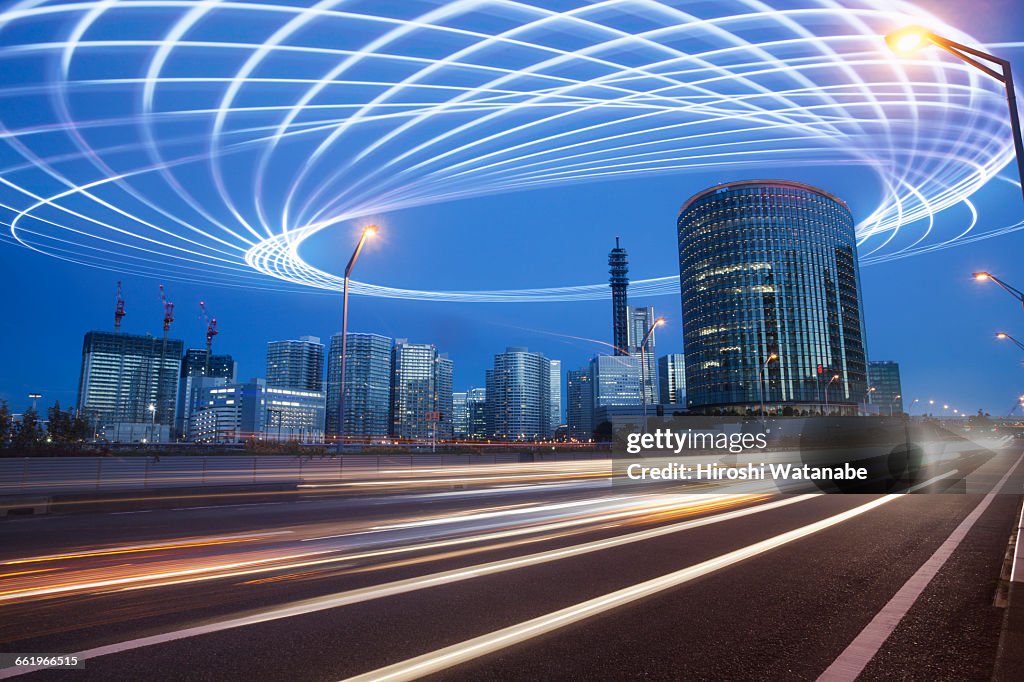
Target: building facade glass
{"x": 884, "y": 377}
{"x": 193, "y": 368}
{"x": 770, "y": 267}
{"x": 641, "y": 318}
{"x": 129, "y": 379}
{"x": 296, "y": 364}
{"x": 421, "y": 392}
{"x": 519, "y": 396}
{"x": 476, "y": 413}
{"x": 367, "y": 386}
{"x": 579, "y": 404}
{"x": 672, "y": 379}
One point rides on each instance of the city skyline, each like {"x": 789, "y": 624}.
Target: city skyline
{"x": 918, "y": 309}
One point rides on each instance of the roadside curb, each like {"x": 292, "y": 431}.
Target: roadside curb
{"x": 1010, "y": 655}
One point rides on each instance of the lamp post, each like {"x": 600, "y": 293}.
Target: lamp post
{"x": 912, "y": 38}
{"x": 34, "y": 397}
{"x": 760, "y": 383}
{"x": 368, "y": 231}
{"x": 1004, "y": 336}
{"x": 1013, "y": 291}
{"x": 643, "y": 366}
{"x": 892, "y": 403}
{"x": 152, "y": 420}
{"x": 835, "y": 377}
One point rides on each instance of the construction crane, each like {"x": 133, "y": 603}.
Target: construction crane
{"x": 168, "y": 312}
{"x": 211, "y": 331}
{"x": 168, "y": 319}
{"x": 119, "y": 312}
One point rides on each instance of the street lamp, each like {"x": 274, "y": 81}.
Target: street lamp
{"x": 152, "y": 421}
{"x": 1004, "y": 336}
{"x": 835, "y": 377}
{"x": 34, "y": 397}
{"x": 643, "y": 366}
{"x": 913, "y": 38}
{"x": 1013, "y": 291}
{"x": 760, "y": 383}
{"x": 892, "y": 403}
{"x": 368, "y": 231}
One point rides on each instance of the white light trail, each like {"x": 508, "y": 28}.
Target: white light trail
{"x": 209, "y": 140}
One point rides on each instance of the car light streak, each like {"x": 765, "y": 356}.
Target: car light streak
{"x": 447, "y": 657}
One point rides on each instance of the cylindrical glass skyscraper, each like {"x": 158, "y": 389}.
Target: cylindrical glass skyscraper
{"x": 770, "y": 268}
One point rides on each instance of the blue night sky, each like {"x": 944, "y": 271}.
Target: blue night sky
{"x": 924, "y": 311}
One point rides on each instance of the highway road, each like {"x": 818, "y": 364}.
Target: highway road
{"x": 514, "y": 578}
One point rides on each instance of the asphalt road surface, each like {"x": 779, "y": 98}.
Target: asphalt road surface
{"x": 561, "y": 578}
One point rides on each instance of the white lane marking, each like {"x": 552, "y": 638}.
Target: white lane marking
{"x": 863, "y": 648}
{"x": 413, "y": 584}
{"x": 449, "y": 656}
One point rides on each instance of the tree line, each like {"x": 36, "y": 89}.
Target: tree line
{"x": 64, "y": 430}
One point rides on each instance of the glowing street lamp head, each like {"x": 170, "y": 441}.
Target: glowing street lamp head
{"x": 908, "y": 40}
{"x": 370, "y": 231}
{"x": 773, "y": 356}
{"x": 981, "y": 276}
{"x": 660, "y": 321}
{"x": 1002, "y": 335}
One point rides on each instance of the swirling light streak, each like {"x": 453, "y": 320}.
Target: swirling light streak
{"x": 232, "y": 132}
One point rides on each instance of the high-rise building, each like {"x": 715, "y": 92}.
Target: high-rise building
{"x": 519, "y": 396}
{"x": 884, "y": 377}
{"x": 579, "y": 403}
{"x": 641, "y": 319}
{"x": 193, "y": 367}
{"x": 367, "y": 386}
{"x": 128, "y": 379}
{"x": 615, "y": 381}
{"x": 296, "y": 364}
{"x": 421, "y": 392}
{"x": 237, "y": 412}
{"x": 460, "y": 415}
{"x": 770, "y": 267}
{"x": 618, "y": 264}
{"x": 476, "y": 413}
{"x": 444, "y": 370}
{"x": 672, "y": 379}
{"x": 556, "y": 394}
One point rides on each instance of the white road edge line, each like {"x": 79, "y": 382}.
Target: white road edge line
{"x": 412, "y": 584}
{"x": 863, "y": 648}
{"x": 455, "y": 654}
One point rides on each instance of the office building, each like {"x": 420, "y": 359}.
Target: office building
{"x": 193, "y": 367}
{"x": 641, "y": 321}
{"x": 556, "y": 394}
{"x": 367, "y": 387}
{"x": 884, "y": 377}
{"x": 519, "y": 396}
{"x": 615, "y": 381}
{"x": 421, "y": 392}
{"x": 296, "y": 364}
{"x": 460, "y": 416}
{"x": 579, "y": 404}
{"x": 237, "y": 412}
{"x": 476, "y": 414}
{"x": 672, "y": 379}
{"x": 129, "y": 380}
{"x": 618, "y": 264}
{"x": 770, "y": 268}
